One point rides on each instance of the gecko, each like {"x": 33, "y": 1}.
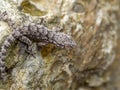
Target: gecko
{"x": 28, "y": 34}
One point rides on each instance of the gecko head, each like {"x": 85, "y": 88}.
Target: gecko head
{"x": 63, "y": 40}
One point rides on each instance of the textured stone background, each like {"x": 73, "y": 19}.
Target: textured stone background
{"x": 92, "y": 65}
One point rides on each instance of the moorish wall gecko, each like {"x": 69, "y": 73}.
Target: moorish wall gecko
{"x": 29, "y": 33}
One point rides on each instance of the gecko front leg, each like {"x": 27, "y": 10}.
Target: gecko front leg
{"x": 28, "y": 42}
{"x": 40, "y": 45}
{"x": 57, "y": 29}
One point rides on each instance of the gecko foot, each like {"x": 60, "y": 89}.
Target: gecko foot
{"x": 30, "y": 51}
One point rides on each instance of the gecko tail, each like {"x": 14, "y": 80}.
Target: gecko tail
{"x": 2, "y": 64}
{"x": 7, "y": 43}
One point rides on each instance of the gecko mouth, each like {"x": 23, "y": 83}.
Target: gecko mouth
{"x": 66, "y": 46}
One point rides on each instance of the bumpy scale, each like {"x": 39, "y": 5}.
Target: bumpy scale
{"x": 29, "y": 33}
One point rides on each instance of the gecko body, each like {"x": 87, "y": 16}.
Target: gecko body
{"x": 29, "y": 33}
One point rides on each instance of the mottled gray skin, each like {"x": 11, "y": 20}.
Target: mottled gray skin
{"x": 28, "y": 34}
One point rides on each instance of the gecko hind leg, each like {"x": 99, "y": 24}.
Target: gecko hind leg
{"x": 28, "y": 42}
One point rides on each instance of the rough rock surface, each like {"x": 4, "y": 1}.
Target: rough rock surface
{"x": 93, "y": 24}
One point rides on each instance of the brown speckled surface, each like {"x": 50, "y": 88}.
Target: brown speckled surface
{"x": 92, "y": 65}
